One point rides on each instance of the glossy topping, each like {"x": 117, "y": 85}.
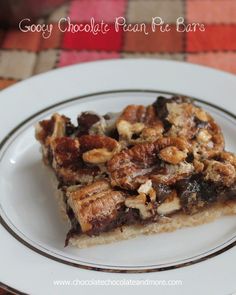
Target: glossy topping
{"x": 132, "y": 167}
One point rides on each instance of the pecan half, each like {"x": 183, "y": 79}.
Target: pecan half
{"x": 68, "y": 163}
{"x": 172, "y": 155}
{"x": 98, "y": 149}
{"x": 132, "y": 167}
{"x": 94, "y": 205}
{"x": 138, "y": 124}
{"x": 65, "y": 152}
{"x": 228, "y": 157}
{"x": 220, "y": 172}
{"x": 47, "y": 130}
{"x": 56, "y": 126}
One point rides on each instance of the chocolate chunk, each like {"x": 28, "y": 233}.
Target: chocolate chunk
{"x": 160, "y": 107}
{"x": 162, "y": 191}
{"x": 85, "y": 122}
{"x": 196, "y": 193}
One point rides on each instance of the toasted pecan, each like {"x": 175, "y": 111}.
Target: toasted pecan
{"x": 138, "y": 124}
{"x": 65, "y": 151}
{"x": 172, "y": 155}
{"x": 181, "y": 117}
{"x": 98, "y": 149}
{"x": 68, "y": 163}
{"x": 94, "y": 204}
{"x": 90, "y": 142}
{"x": 132, "y": 167}
{"x": 56, "y": 126}
{"x": 47, "y": 130}
{"x": 223, "y": 173}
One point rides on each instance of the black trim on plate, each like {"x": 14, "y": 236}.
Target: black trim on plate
{"x": 10, "y": 289}
{"x": 104, "y": 269}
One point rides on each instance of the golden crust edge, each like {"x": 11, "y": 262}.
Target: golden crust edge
{"x": 177, "y": 221}
{"x": 167, "y": 224}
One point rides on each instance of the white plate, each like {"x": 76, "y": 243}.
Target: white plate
{"x": 36, "y": 257}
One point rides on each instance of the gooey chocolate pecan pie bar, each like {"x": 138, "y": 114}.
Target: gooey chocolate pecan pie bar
{"x": 147, "y": 169}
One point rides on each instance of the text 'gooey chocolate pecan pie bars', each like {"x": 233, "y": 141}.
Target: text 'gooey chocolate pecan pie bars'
{"x": 147, "y": 169}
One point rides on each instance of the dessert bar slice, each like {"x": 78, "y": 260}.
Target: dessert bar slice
{"x": 147, "y": 169}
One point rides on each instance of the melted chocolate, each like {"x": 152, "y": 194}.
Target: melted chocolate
{"x": 162, "y": 191}
{"x": 125, "y": 216}
{"x": 196, "y": 193}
